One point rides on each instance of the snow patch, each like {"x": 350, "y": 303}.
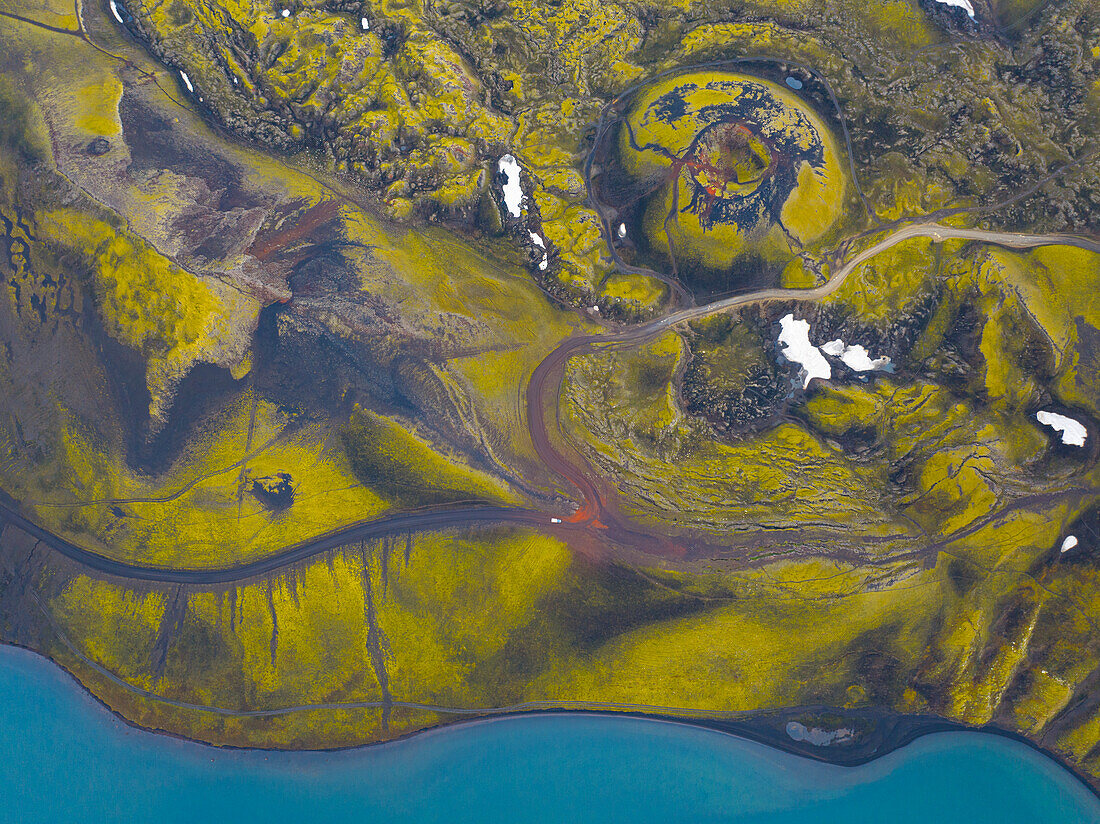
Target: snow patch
{"x": 364, "y": 24}
{"x": 622, "y": 231}
{"x": 1073, "y": 432}
{"x": 285, "y": 12}
{"x": 114, "y": 11}
{"x": 513, "y": 190}
{"x": 187, "y": 82}
{"x": 536, "y": 238}
{"x": 856, "y": 358}
{"x": 795, "y": 338}
{"x": 965, "y": 5}
{"x": 1069, "y": 543}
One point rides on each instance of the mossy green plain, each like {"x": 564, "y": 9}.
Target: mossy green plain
{"x": 288, "y": 270}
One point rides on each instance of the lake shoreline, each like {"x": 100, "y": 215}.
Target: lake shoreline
{"x": 888, "y": 731}
{"x": 877, "y": 731}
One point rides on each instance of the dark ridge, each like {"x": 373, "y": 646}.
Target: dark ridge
{"x": 201, "y": 394}
{"x": 124, "y": 369}
{"x": 304, "y": 369}
{"x": 275, "y": 492}
{"x": 205, "y": 388}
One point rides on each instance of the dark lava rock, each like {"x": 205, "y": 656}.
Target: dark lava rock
{"x": 99, "y": 147}
{"x": 275, "y": 492}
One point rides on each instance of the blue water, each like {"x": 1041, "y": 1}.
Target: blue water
{"x": 63, "y": 758}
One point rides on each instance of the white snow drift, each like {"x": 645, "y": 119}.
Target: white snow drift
{"x": 965, "y": 5}
{"x": 536, "y": 239}
{"x": 513, "y": 190}
{"x": 795, "y": 339}
{"x": 856, "y": 358}
{"x": 1073, "y": 432}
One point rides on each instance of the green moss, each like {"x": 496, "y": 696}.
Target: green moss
{"x": 624, "y": 412}
{"x": 388, "y": 457}
{"x": 634, "y": 292}
{"x": 201, "y": 511}
{"x": 953, "y": 460}
{"x": 409, "y": 620}
{"x": 1055, "y": 288}
{"x": 737, "y": 655}
{"x": 892, "y": 282}
{"x": 172, "y": 318}
{"x": 726, "y": 352}
{"x": 700, "y": 210}
{"x": 995, "y": 628}
{"x": 21, "y": 131}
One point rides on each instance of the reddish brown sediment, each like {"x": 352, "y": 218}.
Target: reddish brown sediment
{"x": 726, "y": 135}
{"x": 316, "y": 216}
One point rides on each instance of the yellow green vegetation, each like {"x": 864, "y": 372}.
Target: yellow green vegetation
{"x": 624, "y": 411}
{"x": 1002, "y": 340}
{"x": 503, "y": 617}
{"x": 387, "y": 456}
{"x": 408, "y": 620}
{"x": 208, "y": 508}
{"x": 953, "y": 462}
{"x": 23, "y": 137}
{"x": 891, "y": 282}
{"x": 736, "y": 653}
{"x": 960, "y": 638}
{"x": 589, "y": 46}
{"x": 743, "y": 166}
{"x": 404, "y": 104}
{"x": 713, "y": 39}
{"x": 58, "y": 13}
{"x": 574, "y": 231}
{"x": 637, "y": 293}
{"x": 893, "y": 23}
{"x": 904, "y": 529}
{"x": 56, "y": 68}
{"x": 727, "y": 353}
{"x": 420, "y": 102}
{"x": 918, "y": 453}
{"x": 491, "y": 321}
{"x": 498, "y": 618}
{"x": 483, "y": 321}
{"x": 172, "y": 318}
{"x": 1059, "y": 703}
{"x": 202, "y": 511}
{"x": 1030, "y": 316}
{"x": 1055, "y": 289}
{"x": 589, "y": 41}
{"x": 799, "y": 274}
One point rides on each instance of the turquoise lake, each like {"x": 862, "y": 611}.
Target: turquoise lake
{"x": 63, "y": 757}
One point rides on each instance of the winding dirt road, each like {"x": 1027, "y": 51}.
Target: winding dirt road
{"x": 552, "y": 446}
{"x": 544, "y": 389}
{"x": 396, "y": 524}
